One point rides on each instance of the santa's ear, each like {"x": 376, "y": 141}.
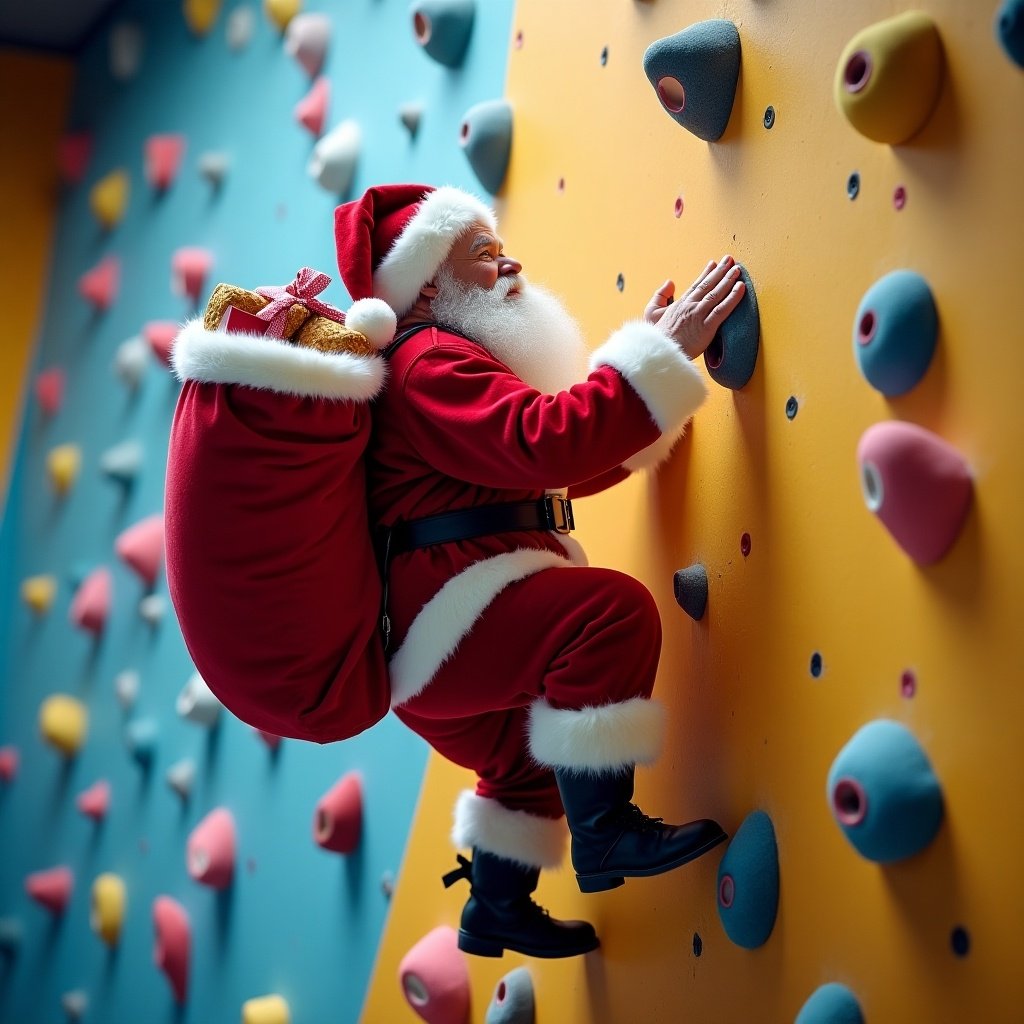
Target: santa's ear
{"x": 428, "y": 291}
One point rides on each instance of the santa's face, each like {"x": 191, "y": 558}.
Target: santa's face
{"x": 483, "y": 295}
{"x": 478, "y": 259}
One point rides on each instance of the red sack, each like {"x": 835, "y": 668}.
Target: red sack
{"x": 270, "y": 562}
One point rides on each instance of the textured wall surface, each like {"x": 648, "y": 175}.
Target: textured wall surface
{"x": 751, "y": 727}
{"x": 297, "y": 920}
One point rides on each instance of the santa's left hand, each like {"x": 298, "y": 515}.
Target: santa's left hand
{"x": 694, "y": 319}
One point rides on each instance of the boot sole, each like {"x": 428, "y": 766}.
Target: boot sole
{"x": 488, "y": 947}
{"x": 601, "y": 881}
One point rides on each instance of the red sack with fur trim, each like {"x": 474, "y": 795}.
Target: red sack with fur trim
{"x": 270, "y": 560}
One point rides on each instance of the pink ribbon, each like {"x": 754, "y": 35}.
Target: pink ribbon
{"x": 307, "y": 285}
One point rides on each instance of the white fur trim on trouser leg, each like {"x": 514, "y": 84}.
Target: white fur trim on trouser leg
{"x": 597, "y": 739}
{"x": 270, "y": 364}
{"x": 515, "y": 835}
{"x": 671, "y": 386}
{"x": 449, "y": 615}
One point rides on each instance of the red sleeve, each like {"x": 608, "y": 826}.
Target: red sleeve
{"x": 599, "y": 483}
{"x": 269, "y": 559}
{"x": 471, "y": 418}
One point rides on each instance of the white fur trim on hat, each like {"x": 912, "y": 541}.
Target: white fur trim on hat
{"x": 422, "y": 247}
{"x": 671, "y": 386}
{"x": 597, "y": 739}
{"x": 374, "y": 319}
{"x": 217, "y": 357}
{"x": 515, "y": 835}
{"x": 449, "y": 615}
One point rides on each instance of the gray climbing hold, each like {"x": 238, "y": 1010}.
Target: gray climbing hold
{"x": 486, "y": 138}
{"x": 732, "y": 354}
{"x": 691, "y": 590}
{"x": 410, "y": 114}
{"x": 694, "y": 73}
{"x": 334, "y": 158}
{"x": 122, "y": 462}
{"x": 443, "y": 28}
{"x": 512, "y": 1002}
{"x": 10, "y": 936}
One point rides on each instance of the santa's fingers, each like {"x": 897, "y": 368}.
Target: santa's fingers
{"x": 721, "y": 305}
{"x": 710, "y": 277}
{"x": 660, "y": 301}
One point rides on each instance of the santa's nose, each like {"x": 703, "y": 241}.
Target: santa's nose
{"x": 507, "y": 266}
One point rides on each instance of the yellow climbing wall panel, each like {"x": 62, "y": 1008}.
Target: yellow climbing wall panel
{"x": 750, "y": 726}
{"x": 28, "y": 190}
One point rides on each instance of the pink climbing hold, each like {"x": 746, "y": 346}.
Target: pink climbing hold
{"x": 918, "y": 485}
{"x": 160, "y": 335}
{"x": 435, "y": 979}
{"x": 311, "y": 110}
{"x": 173, "y": 943}
{"x": 94, "y": 802}
{"x": 73, "y": 153}
{"x": 91, "y": 604}
{"x": 99, "y": 285}
{"x": 163, "y": 155}
{"x": 210, "y": 854}
{"x": 50, "y": 390}
{"x": 52, "y": 888}
{"x": 189, "y": 267}
{"x": 338, "y": 818}
{"x": 141, "y": 547}
{"x": 8, "y": 764}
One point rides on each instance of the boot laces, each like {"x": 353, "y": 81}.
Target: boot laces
{"x": 634, "y": 818}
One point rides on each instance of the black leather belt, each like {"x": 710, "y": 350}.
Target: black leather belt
{"x": 549, "y": 513}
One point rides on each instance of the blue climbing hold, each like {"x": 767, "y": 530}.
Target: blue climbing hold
{"x": 884, "y": 794}
{"x": 443, "y": 28}
{"x": 1010, "y": 30}
{"x": 895, "y": 331}
{"x": 512, "y": 1002}
{"x": 748, "y": 882}
{"x": 694, "y": 73}
{"x": 486, "y": 138}
{"x": 831, "y": 1004}
{"x": 732, "y": 354}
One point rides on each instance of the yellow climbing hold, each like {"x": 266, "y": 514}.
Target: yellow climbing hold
{"x": 106, "y": 914}
{"x": 200, "y": 15}
{"x": 38, "y": 593}
{"x": 280, "y": 12}
{"x": 889, "y": 77}
{"x": 266, "y": 1010}
{"x": 109, "y": 199}
{"x": 64, "y": 722}
{"x": 63, "y": 464}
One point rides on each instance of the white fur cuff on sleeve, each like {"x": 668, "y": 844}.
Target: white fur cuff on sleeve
{"x": 671, "y": 387}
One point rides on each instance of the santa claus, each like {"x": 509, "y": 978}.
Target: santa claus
{"x": 506, "y": 652}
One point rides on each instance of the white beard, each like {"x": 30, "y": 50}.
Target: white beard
{"x": 533, "y": 334}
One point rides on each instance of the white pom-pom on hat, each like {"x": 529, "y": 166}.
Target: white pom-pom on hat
{"x": 374, "y": 319}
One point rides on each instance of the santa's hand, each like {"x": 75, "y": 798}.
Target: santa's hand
{"x": 693, "y": 320}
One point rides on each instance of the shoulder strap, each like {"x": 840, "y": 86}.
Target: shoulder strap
{"x": 405, "y": 336}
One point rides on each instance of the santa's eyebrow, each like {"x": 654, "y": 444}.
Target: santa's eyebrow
{"x": 482, "y": 241}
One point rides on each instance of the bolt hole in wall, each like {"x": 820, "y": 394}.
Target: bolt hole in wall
{"x": 745, "y": 545}
{"x": 960, "y": 940}
{"x": 817, "y": 665}
{"x": 769, "y": 117}
{"x": 792, "y": 407}
{"x": 604, "y": 57}
{"x": 678, "y": 208}
{"x": 908, "y": 683}
{"x": 899, "y": 197}
{"x": 853, "y": 185}
{"x": 620, "y": 282}
{"x": 698, "y": 944}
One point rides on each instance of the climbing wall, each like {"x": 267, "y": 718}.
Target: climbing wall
{"x": 818, "y": 621}
{"x": 137, "y": 820}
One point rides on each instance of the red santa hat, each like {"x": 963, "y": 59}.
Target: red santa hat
{"x": 392, "y": 240}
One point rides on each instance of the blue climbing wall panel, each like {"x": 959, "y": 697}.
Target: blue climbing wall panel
{"x": 297, "y": 920}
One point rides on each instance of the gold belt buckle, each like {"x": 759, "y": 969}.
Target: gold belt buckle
{"x": 559, "y": 513}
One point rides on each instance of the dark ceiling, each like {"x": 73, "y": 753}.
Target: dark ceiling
{"x": 57, "y": 25}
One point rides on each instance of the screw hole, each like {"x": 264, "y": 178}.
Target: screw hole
{"x": 769, "y": 117}
{"x": 792, "y": 407}
{"x": 853, "y": 185}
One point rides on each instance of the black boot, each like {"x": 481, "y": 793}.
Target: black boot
{"x": 612, "y": 839}
{"x": 500, "y": 914}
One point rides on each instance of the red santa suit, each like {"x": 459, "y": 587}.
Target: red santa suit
{"x": 508, "y": 654}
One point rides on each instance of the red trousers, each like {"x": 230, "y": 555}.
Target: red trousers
{"x": 576, "y": 637}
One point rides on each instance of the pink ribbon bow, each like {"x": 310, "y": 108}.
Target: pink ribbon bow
{"x": 307, "y": 285}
